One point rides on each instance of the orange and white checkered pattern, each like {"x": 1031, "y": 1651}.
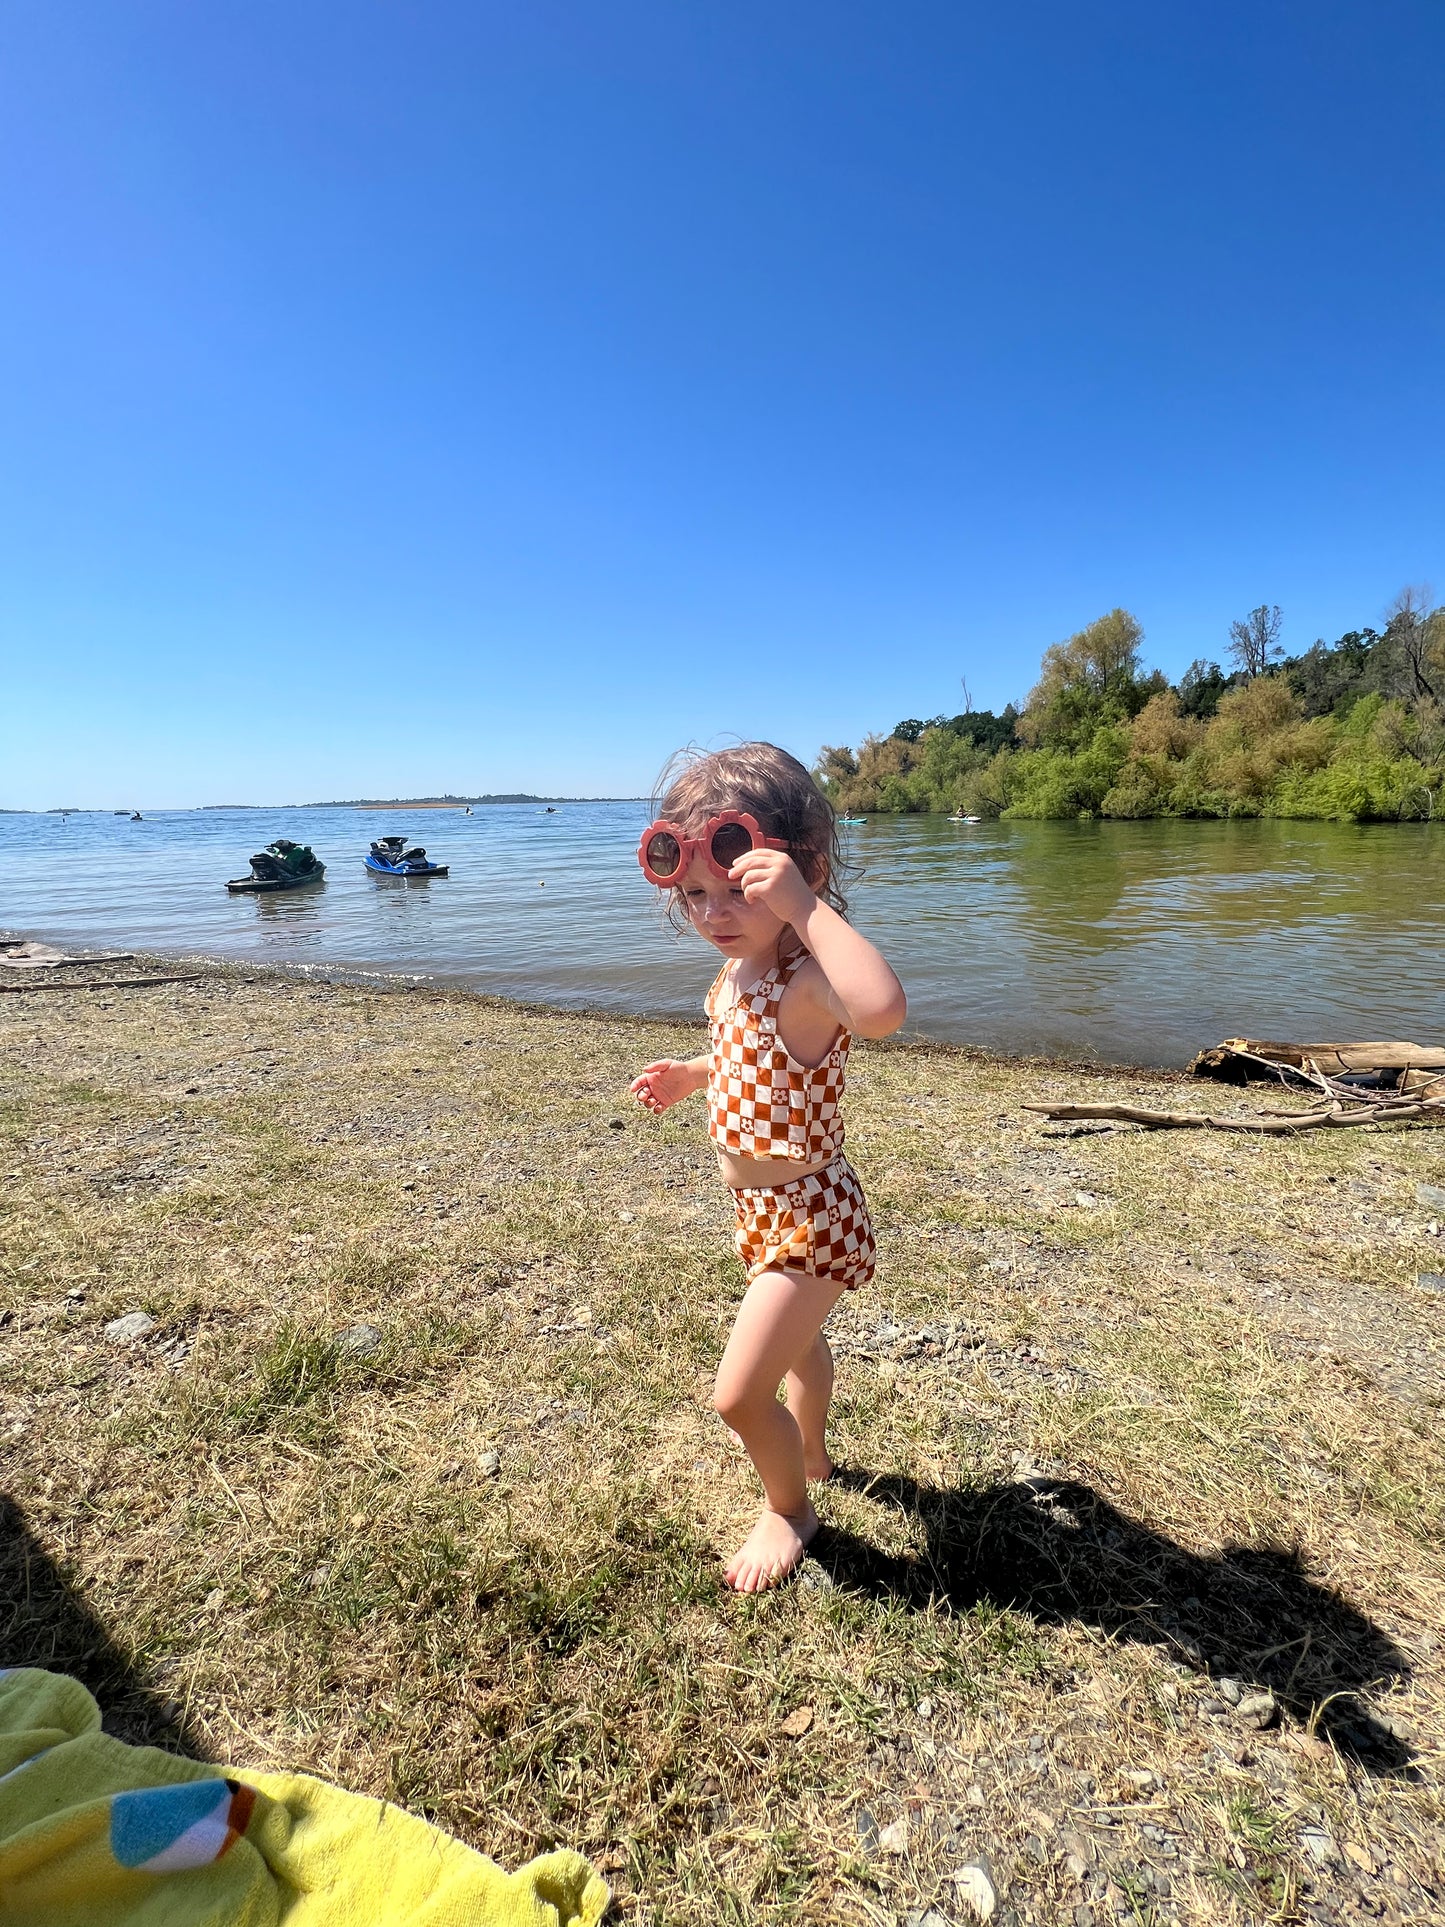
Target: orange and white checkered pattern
{"x": 762, "y": 1103}
{"x": 817, "y": 1224}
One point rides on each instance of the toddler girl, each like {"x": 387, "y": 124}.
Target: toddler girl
{"x": 748, "y": 848}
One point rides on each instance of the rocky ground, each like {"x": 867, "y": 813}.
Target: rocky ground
{"x": 354, "y": 1351}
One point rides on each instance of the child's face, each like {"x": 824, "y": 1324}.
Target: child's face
{"x": 719, "y": 911}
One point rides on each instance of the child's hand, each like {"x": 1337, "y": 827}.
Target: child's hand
{"x": 772, "y": 878}
{"x": 664, "y": 1083}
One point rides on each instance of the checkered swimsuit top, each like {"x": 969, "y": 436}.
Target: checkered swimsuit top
{"x": 761, "y": 1102}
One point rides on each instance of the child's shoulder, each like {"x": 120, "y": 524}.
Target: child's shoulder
{"x": 810, "y": 1022}
{"x": 802, "y": 975}
{"x": 806, "y": 986}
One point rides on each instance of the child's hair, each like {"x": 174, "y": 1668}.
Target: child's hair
{"x": 767, "y": 783}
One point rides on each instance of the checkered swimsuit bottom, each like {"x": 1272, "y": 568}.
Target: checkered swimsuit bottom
{"x": 762, "y": 1103}
{"x": 818, "y": 1224}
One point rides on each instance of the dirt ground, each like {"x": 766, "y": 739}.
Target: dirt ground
{"x": 1129, "y": 1602}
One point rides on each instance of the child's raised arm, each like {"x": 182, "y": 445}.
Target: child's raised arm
{"x": 864, "y": 993}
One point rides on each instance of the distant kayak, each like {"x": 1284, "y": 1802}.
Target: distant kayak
{"x": 852, "y": 821}
{"x": 390, "y": 857}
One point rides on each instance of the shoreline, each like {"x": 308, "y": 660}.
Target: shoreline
{"x": 398, "y": 983}
{"x": 873, "y": 815}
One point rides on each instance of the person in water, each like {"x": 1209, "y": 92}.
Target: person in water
{"x": 746, "y": 846}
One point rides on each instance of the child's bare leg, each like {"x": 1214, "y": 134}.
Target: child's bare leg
{"x": 781, "y": 1314}
{"x": 810, "y": 1391}
{"x": 810, "y": 1394}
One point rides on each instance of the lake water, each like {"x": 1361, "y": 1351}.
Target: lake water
{"x": 1130, "y": 942}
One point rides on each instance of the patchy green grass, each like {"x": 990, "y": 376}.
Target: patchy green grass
{"x": 1123, "y": 1418}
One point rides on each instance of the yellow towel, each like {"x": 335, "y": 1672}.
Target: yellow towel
{"x": 95, "y": 1833}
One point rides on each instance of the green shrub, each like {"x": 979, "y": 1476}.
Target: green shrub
{"x": 1329, "y": 735}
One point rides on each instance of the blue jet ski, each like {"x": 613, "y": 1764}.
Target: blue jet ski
{"x": 390, "y": 856}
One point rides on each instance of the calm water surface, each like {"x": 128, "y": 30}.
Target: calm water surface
{"x": 1132, "y": 942}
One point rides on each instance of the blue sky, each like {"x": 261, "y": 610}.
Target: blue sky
{"x": 482, "y": 397}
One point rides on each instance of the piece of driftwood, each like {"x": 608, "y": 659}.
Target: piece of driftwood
{"x": 1361, "y": 1093}
{"x": 102, "y": 983}
{"x": 1244, "y": 1060}
{"x": 1271, "y": 1123}
{"x": 44, "y": 956}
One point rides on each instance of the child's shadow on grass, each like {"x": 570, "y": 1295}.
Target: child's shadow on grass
{"x": 45, "y": 1621}
{"x": 1056, "y": 1550}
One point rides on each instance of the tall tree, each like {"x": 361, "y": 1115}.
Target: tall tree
{"x": 1418, "y": 632}
{"x": 1254, "y": 643}
{"x": 1090, "y": 679}
{"x": 1201, "y": 686}
{"x": 836, "y": 764}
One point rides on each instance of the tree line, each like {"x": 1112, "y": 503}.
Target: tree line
{"x": 1351, "y": 730}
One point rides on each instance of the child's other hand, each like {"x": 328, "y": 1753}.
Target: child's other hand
{"x": 658, "y": 1085}
{"x": 772, "y": 878}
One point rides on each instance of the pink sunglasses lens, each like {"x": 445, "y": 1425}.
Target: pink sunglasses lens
{"x": 729, "y": 842}
{"x": 664, "y": 854}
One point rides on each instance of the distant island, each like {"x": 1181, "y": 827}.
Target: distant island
{"x": 423, "y": 802}
{"x": 420, "y": 802}
{"x": 1351, "y": 732}
{"x": 352, "y": 803}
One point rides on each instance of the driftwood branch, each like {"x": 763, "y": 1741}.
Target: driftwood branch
{"x": 101, "y": 983}
{"x": 1272, "y": 1123}
{"x": 1239, "y": 1060}
{"x": 1381, "y": 1083}
{"x": 38, "y": 957}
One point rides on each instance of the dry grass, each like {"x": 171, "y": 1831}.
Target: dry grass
{"x": 1102, "y": 1456}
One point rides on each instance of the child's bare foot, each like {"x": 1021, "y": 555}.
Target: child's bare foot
{"x": 771, "y": 1550}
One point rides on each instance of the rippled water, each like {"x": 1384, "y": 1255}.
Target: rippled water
{"x": 1133, "y": 942}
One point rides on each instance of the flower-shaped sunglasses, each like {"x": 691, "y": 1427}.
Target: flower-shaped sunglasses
{"x": 665, "y": 852}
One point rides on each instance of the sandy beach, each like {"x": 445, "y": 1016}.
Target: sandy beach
{"x": 1129, "y": 1596}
